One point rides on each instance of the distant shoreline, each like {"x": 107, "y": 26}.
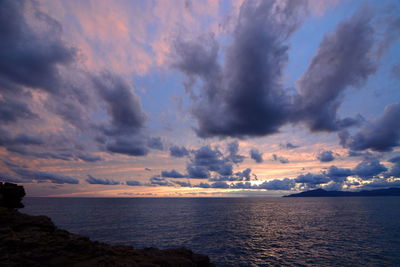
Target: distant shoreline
{"x": 365, "y": 193}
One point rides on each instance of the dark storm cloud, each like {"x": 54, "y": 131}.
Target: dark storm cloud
{"x": 244, "y": 97}
{"x": 34, "y": 56}
{"x": 45, "y": 176}
{"x": 173, "y": 174}
{"x": 123, "y": 134}
{"x": 383, "y": 134}
{"x": 206, "y": 159}
{"x": 94, "y": 180}
{"x": 122, "y": 105}
{"x": 130, "y": 146}
{"x": 338, "y": 174}
{"x": 343, "y": 60}
{"x": 200, "y": 172}
{"x": 369, "y": 168}
{"x": 279, "y": 158}
{"x": 27, "y": 58}
{"x": 178, "y": 152}
{"x": 325, "y": 156}
{"x": 256, "y": 155}
{"x": 12, "y": 109}
{"x": 8, "y": 140}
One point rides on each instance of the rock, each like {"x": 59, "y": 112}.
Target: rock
{"x": 11, "y": 195}
{"x": 27, "y": 240}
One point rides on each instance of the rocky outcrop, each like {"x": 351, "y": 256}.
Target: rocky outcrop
{"x": 11, "y": 195}
{"x": 35, "y": 241}
{"x": 27, "y": 240}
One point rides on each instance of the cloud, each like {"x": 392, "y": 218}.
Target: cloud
{"x": 45, "y": 176}
{"x": 339, "y": 174}
{"x": 173, "y": 174}
{"x": 12, "y": 110}
{"x": 128, "y": 146}
{"x": 288, "y": 146}
{"x": 343, "y": 60}
{"x": 183, "y": 184}
{"x": 4, "y": 177}
{"x": 94, "y": 180}
{"x": 122, "y": 105}
{"x": 244, "y": 96}
{"x": 245, "y": 174}
{"x": 233, "y": 149}
{"x": 369, "y": 168}
{"x": 155, "y": 143}
{"x": 178, "y": 152}
{"x": 206, "y": 159}
{"x": 45, "y": 88}
{"x": 160, "y": 181}
{"x": 325, "y": 156}
{"x": 382, "y": 183}
{"x": 280, "y": 159}
{"x": 382, "y": 134}
{"x": 32, "y": 63}
{"x": 284, "y": 184}
{"x": 238, "y": 176}
{"x": 312, "y": 179}
{"x": 8, "y": 140}
{"x": 88, "y": 157}
{"x": 133, "y": 183}
{"x": 256, "y": 155}
{"x": 394, "y": 170}
{"x": 200, "y": 172}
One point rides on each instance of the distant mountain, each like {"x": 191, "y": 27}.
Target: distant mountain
{"x": 365, "y": 193}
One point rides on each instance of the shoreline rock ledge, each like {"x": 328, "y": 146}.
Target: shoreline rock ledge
{"x": 27, "y": 240}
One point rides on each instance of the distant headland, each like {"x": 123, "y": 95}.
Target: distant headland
{"x": 364, "y": 193}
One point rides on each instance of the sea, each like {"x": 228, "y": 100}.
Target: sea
{"x": 354, "y": 231}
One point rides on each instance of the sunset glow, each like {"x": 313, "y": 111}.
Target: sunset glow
{"x": 213, "y": 98}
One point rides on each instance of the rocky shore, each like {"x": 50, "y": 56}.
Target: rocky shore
{"x": 35, "y": 241}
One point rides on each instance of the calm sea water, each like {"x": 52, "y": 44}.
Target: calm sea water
{"x": 241, "y": 231}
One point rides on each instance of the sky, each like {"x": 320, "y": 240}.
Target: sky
{"x": 212, "y": 98}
